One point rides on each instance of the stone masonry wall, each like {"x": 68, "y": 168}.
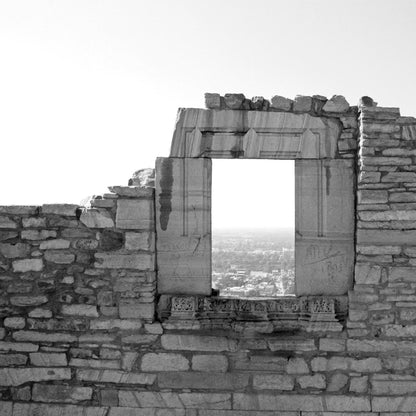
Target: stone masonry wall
{"x": 79, "y": 333}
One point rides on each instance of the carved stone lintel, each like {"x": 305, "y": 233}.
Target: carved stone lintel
{"x": 310, "y": 313}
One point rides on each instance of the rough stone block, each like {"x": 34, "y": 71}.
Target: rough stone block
{"x": 60, "y": 394}
{"x": 27, "y": 265}
{"x": 96, "y": 218}
{"x": 196, "y": 380}
{"x": 32, "y": 409}
{"x": 367, "y": 196}
{"x": 67, "y": 210}
{"x": 24, "y": 301}
{"x": 18, "y": 346}
{"x": 332, "y": 344}
{"x": 297, "y": 366}
{"x": 273, "y": 382}
{"x": 198, "y": 343}
{"x": 317, "y": 381}
{"x": 394, "y": 404}
{"x": 281, "y": 103}
{"x": 19, "y": 376}
{"x": 34, "y": 222}
{"x": 234, "y": 101}
{"x": 14, "y": 322}
{"x": 135, "y": 214}
{"x": 59, "y": 257}
{"x": 35, "y": 336}
{"x": 302, "y": 104}
{"x": 164, "y": 362}
{"x": 10, "y": 360}
{"x": 115, "y": 376}
{"x": 337, "y": 104}
{"x": 133, "y": 191}
{"x": 136, "y": 310}
{"x": 140, "y": 241}
{"x": 34, "y": 235}
{"x": 80, "y": 310}
{"x": 12, "y": 251}
{"x": 6, "y": 222}
{"x": 337, "y": 382}
{"x": 366, "y": 274}
{"x": 213, "y": 101}
{"x": 123, "y": 324}
{"x": 217, "y": 363}
{"x": 291, "y": 344}
{"x": 43, "y": 359}
{"x": 142, "y": 261}
{"x": 56, "y": 244}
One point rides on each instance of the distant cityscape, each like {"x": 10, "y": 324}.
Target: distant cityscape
{"x": 253, "y": 263}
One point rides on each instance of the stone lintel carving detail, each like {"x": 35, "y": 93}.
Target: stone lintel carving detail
{"x": 311, "y": 313}
{"x": 253, "y": 135}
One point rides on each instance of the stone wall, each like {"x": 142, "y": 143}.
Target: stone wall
{"x": 79, "y": 334}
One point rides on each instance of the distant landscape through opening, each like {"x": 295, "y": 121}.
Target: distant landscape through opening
{"x": 253, "y": 227}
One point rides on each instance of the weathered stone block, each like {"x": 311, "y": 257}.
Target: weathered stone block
{"x": 213, "y": 101}
{"x": 136, "y": 310}
{"x": 133, "y": 191}
{"x": 398, "y": 404}
{"x": 19, "y": 376}
{"x": 135, "y": 214}
{"x": 196, "y": 380}
{"x": 35, "y": 336}
{"x": 273, "y": 382}
{"x": 140, "y": 241}
{"x": 14, "y": 322}
{"x": 6, "y": 222}
{"x": 67, "y": 210}
{"x": 372, "y": 197}
{"x": 43, "y": 359}
{"x": 366, "y": 274}
{"x": 80, "y": 310}
{"x": 403, "y": 274}
{"x": 330, "y": 344}
{"x": 56, "y": 244}
{"x": 302, "y": 104}
{"x": 317, "y": 381}
{"x": 114, "y": 376}
{"x": 93, "y": 363}
{"x": 32, "y": 409}
{"x": 291, "y": 344}
{"x": 27, "y": 265}
{"x": 10, "y": 360}
{"x": 164, "y": 362}
{"x": 281, "y": 103}
{"x": 142, "y": 261}
{"x": 297, "y": 366}
{"x": 96, "y": 218}
{"x": 218, "y": 363}
{"x": 123, "y": 324}
{"x": 34, "y": 222}
{"x": 337, "y": 104}
{"x": 60, "y": 394}
{"x": 337, "y": 382}
{"x": 24, "y": 301}
{"x": 12, "y": 251}
{"x": 37, "y": 234}
{"x": 18, "y": 346}
{"x": 59, "y": 257}
{"x": 197, "y": 343}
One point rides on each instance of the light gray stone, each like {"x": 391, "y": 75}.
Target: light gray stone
{"x": 6, "y": 222}
{"x": 60, "y": 394}
{"x": 337, "y": 104}
{"x": 337, "y": 382}
{"x": 80, "y": 310}
{"x": 136, "y": 310}
{"x": 43, "y": 359}
{"x": 32, "y": 409}
{"x": 34, "y": 235}
{"x": 297, "y": 366}
{"x": 36, "y": 336}
{"x": 196, "y": 380}
{"x": 213, "y": 362}
{"x": 317, "y": 381}
{"x": 96, "y": 218}
{"x": 59, "y": 257}
{"x": 332, "y": 344}
{"x": 273, "y": 382}
{"x": 368, "y": 196}
{"x": 366, "y": 274}
{"x": 213, "y": 101}
{"x": 123, "y": 324}
{"x": 15, "y": 322}
{"x": 140, "y": 241}
{"x": 10, "y": 360}
{"x": 27, "y": 265}
{"x": 399, "y": 176}
{"x": 34, "y": 222}
{"x": 67, "y": 210}
{"x": 291, "y": 344}
{"x": 115, "y": 376}
{"x": 142, "y": 261}
{"x": 281, "y": 103}
{"x": 164, "y": 362}
{"x": 18, "y": 346}
{"x": 198, "y": 343}
{"x": 135, "y": 214}
{"x": 12, "y": 251}
{"x": 359, "y": 384}
{"x": 132, "y": 191}
{"x": 24, "y": 301}
{"x": 302, "y": 104}
{"x": 56, "y": 244}
{"x": 19, "y": 376}
{"x": 234, "y": 101}
{"x": 93, "y": 363}
{"x": 40, "y": 313}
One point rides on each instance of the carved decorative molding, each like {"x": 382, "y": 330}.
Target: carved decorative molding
{"x": 311, "y": 313}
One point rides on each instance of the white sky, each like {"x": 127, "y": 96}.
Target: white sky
{"x": 89, "y": 89}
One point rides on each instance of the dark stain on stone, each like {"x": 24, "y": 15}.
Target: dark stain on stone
{"x": 328, "y": 178}
{"x": 165, "y": 196}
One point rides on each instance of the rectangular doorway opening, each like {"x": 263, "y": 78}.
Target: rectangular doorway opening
{"x": 253, "y": 228}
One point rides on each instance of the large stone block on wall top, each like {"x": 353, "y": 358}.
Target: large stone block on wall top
{"x": 324, "y": 239}
{"x": 253, "y": 135}
{"x": 183, "y": 225}
{"x": 135, "y": 214}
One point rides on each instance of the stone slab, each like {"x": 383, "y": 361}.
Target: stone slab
{"x": 135, "y": 214}
{"x": 254, "y": 134}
